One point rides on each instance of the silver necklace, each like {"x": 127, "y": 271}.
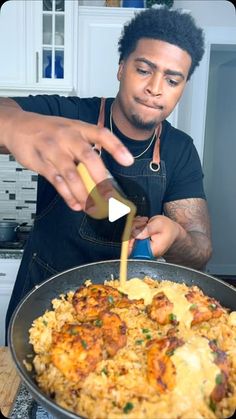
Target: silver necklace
{"x": 146, "y": 149}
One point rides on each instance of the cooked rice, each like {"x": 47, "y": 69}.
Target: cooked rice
{"x": 118, "y": 388}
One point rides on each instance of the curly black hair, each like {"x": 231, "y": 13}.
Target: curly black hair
{"x": 172, "y": 26}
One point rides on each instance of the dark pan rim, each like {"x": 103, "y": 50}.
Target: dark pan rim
{"x": 34, "y": 389}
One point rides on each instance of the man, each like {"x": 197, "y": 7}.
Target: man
{"x": 159, "y": 50}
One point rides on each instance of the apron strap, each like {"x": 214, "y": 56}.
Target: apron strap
{"x": 100, "y": 123}
{"x": 156, "y": 159}
{"x": 101, "y": 117}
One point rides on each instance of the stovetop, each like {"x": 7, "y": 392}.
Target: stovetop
{"x": 12, "y": 245}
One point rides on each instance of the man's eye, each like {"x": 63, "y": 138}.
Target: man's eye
{"x": 172, "y": 82}
{"x": 141, "y": 71}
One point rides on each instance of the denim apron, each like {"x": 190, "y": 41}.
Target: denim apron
{"x": 62, "y": 238}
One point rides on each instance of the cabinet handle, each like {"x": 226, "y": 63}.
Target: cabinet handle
{"x": 37, "y": 67}
{"x": 3, "y": 274}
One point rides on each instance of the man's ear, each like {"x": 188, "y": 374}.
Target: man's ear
{"x": 120, "y": 70}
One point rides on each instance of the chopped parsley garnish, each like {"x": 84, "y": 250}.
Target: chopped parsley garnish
{"x": 45, "y": 322}
{"x": 73, "y": 331}
{"x": 219, "y": 379}
{"x": 148, "y": 337}
{"x": 193, "y": 307}
{"x": 145, "y": 330}
{"x": 104, "y": 371}
{"x": 212, "y": 307}
{"x": 128, "y": 407}
{"x": 139, "y": 342}
{"x": 212, "y": 405}
{"x": 110, "y": 299}
{"x": 172, "y": 318}
{"x": 84, "y": 344}
{"x": 170, "y": 352}
{"x": 98, "y": 323}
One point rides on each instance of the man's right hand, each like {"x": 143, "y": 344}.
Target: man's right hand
{"x": 53, "y": 146}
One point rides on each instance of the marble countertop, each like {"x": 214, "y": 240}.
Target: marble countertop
{"x": 11, "y": 253}
{"x": 25, "y": 407}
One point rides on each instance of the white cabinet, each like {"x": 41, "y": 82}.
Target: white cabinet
{"x": 38, "y": 53}
{"x": 8, "y": 272}
{"x": 51, "y": 23}
{"x": 12, "y": 44}
{"x": 98, "y": 33}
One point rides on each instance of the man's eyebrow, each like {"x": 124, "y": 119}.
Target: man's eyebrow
{"x": 155, "y": 67}
{"x": 174, "y": 73}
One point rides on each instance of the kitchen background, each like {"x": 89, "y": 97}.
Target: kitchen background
{"x": 70, "y": 48}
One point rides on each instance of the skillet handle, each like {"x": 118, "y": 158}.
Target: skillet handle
{"x": 142, "y": 250}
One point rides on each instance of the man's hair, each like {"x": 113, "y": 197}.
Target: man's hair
{"x": 172, "y": 26}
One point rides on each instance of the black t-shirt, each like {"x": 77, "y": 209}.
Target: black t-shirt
{"x": 184, "y": 177}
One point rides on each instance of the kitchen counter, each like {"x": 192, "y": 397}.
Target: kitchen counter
{"x": 9, "y": 381}
{"x": 15, "y": 400}
{"x": 11, "y": 253}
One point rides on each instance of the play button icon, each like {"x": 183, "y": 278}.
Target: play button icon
{"x": 106, "y": 224}
{"x": 116, "y": 209}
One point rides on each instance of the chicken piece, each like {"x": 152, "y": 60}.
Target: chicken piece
{"x": 160, "y": 309}
{"x": 203, "y": 308}
{"x": 90, "y": 301}
{"x": 113, "y": 332}
{"x": 219, "y": 391}
{"x": 76, "y": 350}
{"x": 161, "y": 372}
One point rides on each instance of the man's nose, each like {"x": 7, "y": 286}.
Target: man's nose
{"x": 155, "y": 85}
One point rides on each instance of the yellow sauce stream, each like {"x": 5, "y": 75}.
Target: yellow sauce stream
{"x": 102, "y": 212}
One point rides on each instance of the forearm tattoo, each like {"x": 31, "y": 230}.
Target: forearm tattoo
{"x": 195, "y": 249}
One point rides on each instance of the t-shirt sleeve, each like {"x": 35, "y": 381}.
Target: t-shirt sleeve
{"x": 73, "y": 107}
{"x": 56, "y": 105}
{"x": 186, "y": 180}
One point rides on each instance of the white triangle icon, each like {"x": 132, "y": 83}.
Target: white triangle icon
{"x": 116, "y": 209}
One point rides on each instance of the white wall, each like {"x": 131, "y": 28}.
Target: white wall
{"x": 219, "y": 161}
{"x": 209, "y": 12}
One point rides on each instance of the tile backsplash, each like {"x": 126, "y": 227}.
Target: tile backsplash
{"x": 18, "y": 189}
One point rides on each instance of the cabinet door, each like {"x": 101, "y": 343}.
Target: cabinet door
{"x": 99, "y": 31}
{"x": 50, "y": 37}
{"x": 8, "y": 272}
{"x": 12, "y": 43}
{"x": 37, "y": 45}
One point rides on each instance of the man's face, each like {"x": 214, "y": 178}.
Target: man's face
{"x": 152, "y": 80}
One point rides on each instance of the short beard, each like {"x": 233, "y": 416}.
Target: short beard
{"x": 140, "y": 124}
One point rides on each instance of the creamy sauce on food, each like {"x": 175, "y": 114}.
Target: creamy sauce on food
{"x": 181, "y": 305}
{"x": 195, "y": 372}
{"x": 135, "y": 288}
{"x": 232, "y": 318}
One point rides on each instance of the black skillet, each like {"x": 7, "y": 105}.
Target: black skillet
{"x": 38, "y": 300}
